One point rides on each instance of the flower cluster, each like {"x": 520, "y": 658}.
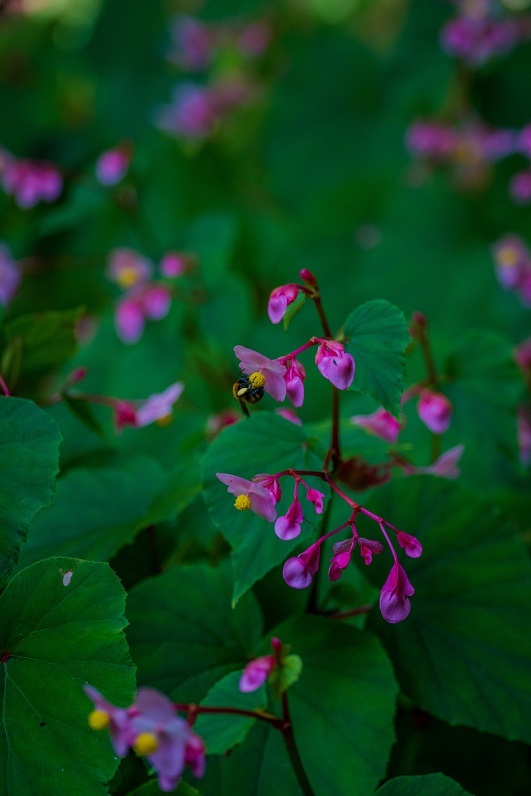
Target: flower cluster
{"x": 512, "y": 261}
{"x": 154, "y": 729}
{"x": 143, "y": 298}
{"x": 29, "y": 181}
{"x": 479, "y": 32}
{"x": 262, "y": 495}
{"x": 10, "y": 275}
{"x": 196, "y": 109}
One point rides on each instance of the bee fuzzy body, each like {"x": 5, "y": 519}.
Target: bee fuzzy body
{"x": 246, "y": 393}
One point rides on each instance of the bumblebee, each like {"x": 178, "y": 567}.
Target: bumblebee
{"x": 249, "y": 390}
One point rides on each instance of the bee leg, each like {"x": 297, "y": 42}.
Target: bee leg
{"x": 245, "y": 410}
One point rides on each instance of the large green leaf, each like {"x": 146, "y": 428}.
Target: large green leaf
{"x": 221, "y": 731}
{"x": 427, "y": 785}
{"x": 151, "y": 788}
{"x": 45, "y": 340}
{"x": 29, "y": 461}
{"x": 95, "y": 512}
{"x": 463, "y": 653}
{"x": 377, "y": 335}
{"x": 266, "y": 443}
{"x": 485, "y": 387}
{"x": 61, "y": 623}
{"x": 342, "y": 706}
{"x": 184, "y": 634}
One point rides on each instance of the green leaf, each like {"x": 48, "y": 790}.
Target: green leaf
{"x": 485, "y": 387}
{"x": 275, "y": 444}
{"x": 61, "y": 624}
{"x": 151, "y": 788}
{"x": 463, "y": 653}
{"x": 343, "y": 705}
{"x": 46, "y": 339}
{"x": 212, "y": 237}
{"x": 378, "y": 335}
{"x": 292, "y": 310}
{"x": 222, "y": 731}
{"x": 284, "y": 677}
{"x": 260, "y": 766}
{"x": 80, "y": 525}
{"x": 427, "y": 785}
{"x": 184, "y": 633}
{"x": 84, "y": 413}
{"x": 29, "y": 462}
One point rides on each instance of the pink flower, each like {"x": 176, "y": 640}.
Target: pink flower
{"x": 140, "y": 302}
{"x": 173, "y": 264}
{"x": 10, "y": 275}
{"x": 272, "y": 370}
{"x": 368, "y": 549}
{"x": 159, "y": 406}
{"x": 31, "y": 181}
{"x": 289, "y": 526}
{"x": 522, "y": 355}
{"x": 334, "y": 364}
{"x": 289, "y": 414}
{"x": 279, "y": 300}
{"x": 112, "y": 165}
{"x": 192, "y": 113}
{"x": 298, "y": 572}
{"x": 249, "y": 495}
{"x": 316, "y": 499}
{"x": 116, "y": 719}
{"x": 194, "y": 44}
{"x": 124, "y": 414}
{"x": 435, "y": 411}
{"x": 294, "y": 377}
{"x": 381, "y": 423}
{"x": 475, "y": 39}
{"x": 129, "y": 321}
{"x": 127, "y": 267}
{"x": 217, "y": 422}
{"x": 429, "y": 139}
{"x": 256, "y": 673}
{"x": 254, "y": 38}
{"x": 511, "y": 258}
{"x": 341, "y": 558}
{"x": 523, "y": 418}
{"x": 409, "y": 543}
{"x": 394, "y": 597}
{"x": 520, "y": 187}
{"x": 164, "y": 738}
{"x": 270, "y": 482}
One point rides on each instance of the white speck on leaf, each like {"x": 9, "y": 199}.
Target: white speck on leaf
{"x": 67, "y": 577}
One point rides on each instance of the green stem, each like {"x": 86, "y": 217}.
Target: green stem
{"x": 293, "y": 752}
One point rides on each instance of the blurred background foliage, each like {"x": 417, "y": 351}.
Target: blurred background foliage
{"x": 312, "y": 172}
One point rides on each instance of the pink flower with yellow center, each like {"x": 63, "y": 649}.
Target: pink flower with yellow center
{"x": 252, "y": 362}
{"x": 249, "y": 495}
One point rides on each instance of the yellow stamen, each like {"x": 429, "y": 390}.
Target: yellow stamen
{"x": 164, "y": 421}
{"x": 127, "y": 277}
{"x": 243, "y": 503}
{"x": 507, "y": 257}
{"x": 98, "y": 719}
{"x": 146, "y": 743}
{"x": 257, "y": 380}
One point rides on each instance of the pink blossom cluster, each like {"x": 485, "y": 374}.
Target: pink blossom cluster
{"x": 262, "y": 494}
{"x": 195, "y": 44}
{"x": 480, "y": 32}
{"x": 10, "y": 275}
{"x": 195, "y": 110}
{"x": 522, "y": 356}
{"x": 285, "y": 375}
{"x": 143, "y": 299}
{"x": 154, "y": 729}
{"x": 512, "y": 261}
{"x": 469, "y": 144}
{"x": 29, "y": 181}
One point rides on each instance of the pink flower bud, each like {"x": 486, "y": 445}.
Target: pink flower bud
{"x": 394, "y": 597}
{"x": 289, "y": 526}
{"x": 435, "y": 411}
{"x": 334, "y": 364}
{"x": 409, "y": 543}
{"x": 294, "y": 377}
{"x": 308, "y": 277}
{"x": 112, "y": 165}
{"x": 316, "y": 499}
{"x": 173, "y": 264}
{"x": 256, "y": 673}
{"x": 380, "y": 423}
{"x": 279, "y": 300}
{"x": 298, "y": 572}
